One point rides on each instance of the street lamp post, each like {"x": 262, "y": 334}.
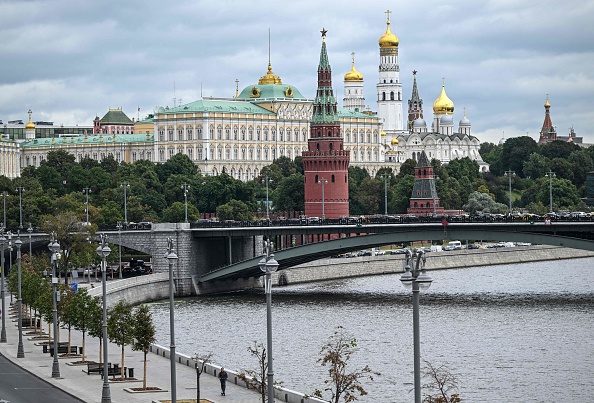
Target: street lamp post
{"x": 267, "y": 180}
{"x": 30, "y": 231}
{"x": 323, "y": 182}
{"x": 551, "y": 175}
{"x": 20, "y": 351}
{"x": 9, "y": 234}
{"x": 509, "y": 173}
{"x": 385, "y": 176}
{"x": 171, "y": 257}
{"x": 119, "y": 227}
{"x": 87, "y": 191}
{"x": 418, "y": 279}
{"x": 20, "y": 189}
{"x": 185, "y": 187}
{"x": 3, "y": 332}
{"x": 124, "y": 186}
{"x": 54, "y": 247}
{"x": 268, "y": 265}
{"x": 4, "y": 222}
{"x": 103, "y": 250}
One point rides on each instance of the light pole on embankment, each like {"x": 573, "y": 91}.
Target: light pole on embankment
{"x": 171, "y": 257}
{"x": 54, "y": 247}
{"x": 20, "y": 351}
{"x": 3, "y": 332}
{"x": 103, "y": 250}
{"x": 417, "y": 278}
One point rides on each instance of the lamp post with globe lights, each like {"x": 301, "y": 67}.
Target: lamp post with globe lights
{"x": 54, "y": 247}
{"x": 550, "y": 175}
{"x": 119, "y": 227}
{"x": 125, "y": 185}
{"x": 323, "y": 182}
{"x": 171, "y": 257}
{"x": 86, "y": 191}
{"x": 30, "y": 231}
{"x": 269, "y": 265}
{"x": 20, "y": 189}
{"x": 510, "y": 174}
{"x": 20, "y": 351}
{"x": 185, "y": 187}
{"x": 3, "y": 332}
{"x": 103, "y": 251}
{"x": 416, "y": 277}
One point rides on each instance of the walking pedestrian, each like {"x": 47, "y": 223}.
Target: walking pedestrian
{"x": 223, "y": 378}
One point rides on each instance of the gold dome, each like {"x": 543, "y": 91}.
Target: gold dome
{"x": 269, "y": 77}
{"x": 383, "y": 133}
{"x": 443, "y": 104}
{"x": 30, "y": 124}
{"x": 353, "y": 75}
{"x": 547, "y": 104}
{"x": 394, "y": 141}
{"x": 388, "y": 40}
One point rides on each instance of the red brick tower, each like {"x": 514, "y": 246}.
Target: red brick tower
{"x": 326, "y": 163}
{"x": 548, "y": 132}
{"x": 424, "y": 200}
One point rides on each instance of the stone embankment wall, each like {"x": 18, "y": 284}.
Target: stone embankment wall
{"x": 337, "y": 268}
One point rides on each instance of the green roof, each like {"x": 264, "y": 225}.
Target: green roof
{"x": 270, "y": 91}
{"x": 116, "y": 117}
{"x": 217, "y": 105}
{"x": 91, "y": 139}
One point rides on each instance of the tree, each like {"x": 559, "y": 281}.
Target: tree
{"x": 257, "y": 378}
{"x": 290, "y": 194}
{"x": 407, "y": 168}
{"x": 515, "y": 151}
{"x": 143, "y": 335}
{"x": 177, "y": 213}
{"x": 179, "y": 164}
{"x": 441, "y": 383}
{"x": 342, "y": 383}
{"x": 96, "y": 323}
{"x": 234, "y": 210}
{"x": 536, "y": 166}
{"x": 85, "y": 306}
{"x": 67, "y": 311}
{"x": 120, "y": 326}
{"x": 482, "y": 202}
{"x": 201, "y": 362}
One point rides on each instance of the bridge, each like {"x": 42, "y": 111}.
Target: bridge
{"x": 226, "y": 258}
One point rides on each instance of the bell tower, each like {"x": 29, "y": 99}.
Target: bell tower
{"x": 326, "y": 162}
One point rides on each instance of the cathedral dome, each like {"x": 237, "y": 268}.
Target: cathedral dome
{"x": 30, "y": 125}
{"x": 464, "y": 121}
{"x": 547, "y": 104}
{"x": 394, "y": 141}
{"x": 388, "y": 40}
{"x": 420, "y": 122}
{"x": 446, "y": 120}
{"x": 443, "y": 104}
{"x": 383, "y": 133}
{"x": 353, "y": 75}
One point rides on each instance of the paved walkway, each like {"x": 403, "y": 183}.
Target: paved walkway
{"x": 88, "y": 388}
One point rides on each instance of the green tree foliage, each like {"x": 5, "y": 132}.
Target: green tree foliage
{"x": 515, "y": 151}
{"x": 536, "y": 166}
{"x": 177, "y": 213}
{"x": 143, "y": 335}
{"x": 290, "y": 194}
{"x": 120, "y": 326}
{"x": 286, "y": 166}
{"x": 557, "y": 149}
{"x": 407, "y": 168}
{"x": 369, "y": 196}
{"x": 86, "y": 313}
{"x": 178, "y": 164}
{"x": 234, "y": 210}
{"x": 482, "y": 202}
{"x": 401, "y": 192}
{"x": 463, "y": 168}
{"x": 343, "y": 382}
{"x": 96, "y": 323}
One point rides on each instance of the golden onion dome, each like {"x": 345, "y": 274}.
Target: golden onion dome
{"x": 30, "y": 124}
{"x": 383, "y": 133}
{"x": 388, "y": 40}
{"x": 443, "y": 104}
{"x": 547, "y": 104}
{"x": 394, "y": 141}
{"x": 353, "y": 75}
{"x": 269, "y": 77}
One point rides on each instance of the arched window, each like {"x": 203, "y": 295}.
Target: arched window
{"x": 391, "y": 95}
{"x": 384, "y": 94}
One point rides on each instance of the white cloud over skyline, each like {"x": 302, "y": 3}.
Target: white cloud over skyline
{"x": 69, "y": 61}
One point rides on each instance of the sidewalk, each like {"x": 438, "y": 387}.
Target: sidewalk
{"x": 88, "y": 388}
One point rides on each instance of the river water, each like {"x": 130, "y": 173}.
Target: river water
{"x": 511, "y": 333}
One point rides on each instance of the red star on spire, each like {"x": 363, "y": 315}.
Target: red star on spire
{"x": 323, "y": 31}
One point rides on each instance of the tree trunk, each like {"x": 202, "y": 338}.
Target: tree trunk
{"x": 144, "y": 372}
{"x": 122, "y": 362}
{"x": 83, "y": 347}
{"x": 197, "y": 384}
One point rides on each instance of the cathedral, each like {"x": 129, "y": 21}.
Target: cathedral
{"x": 268, "y": 119}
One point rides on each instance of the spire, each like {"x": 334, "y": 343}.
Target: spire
{"x": 324, "y": 108}
{"x": 548, "y": 132}
{"x": 415, "y": 91}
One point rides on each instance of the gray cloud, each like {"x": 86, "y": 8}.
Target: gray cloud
{"x": 69, "y": 61}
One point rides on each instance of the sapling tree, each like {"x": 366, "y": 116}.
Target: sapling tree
{"x": 257, "y": 378}
{"x": 144, "y": 335}
{"x": 441, "y": 383}
{"x": 201, "y": 361}
{"x": 85, "y": 307}
{"x": 342, "y": 382}
{"x": 120, "y": 326}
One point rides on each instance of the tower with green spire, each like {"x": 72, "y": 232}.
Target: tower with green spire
{"x": 326, "y": 162}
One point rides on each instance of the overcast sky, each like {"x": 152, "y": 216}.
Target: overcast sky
{"x": 71, "y": 60}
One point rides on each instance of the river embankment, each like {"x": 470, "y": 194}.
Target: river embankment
{"x": 337, "y": 268}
